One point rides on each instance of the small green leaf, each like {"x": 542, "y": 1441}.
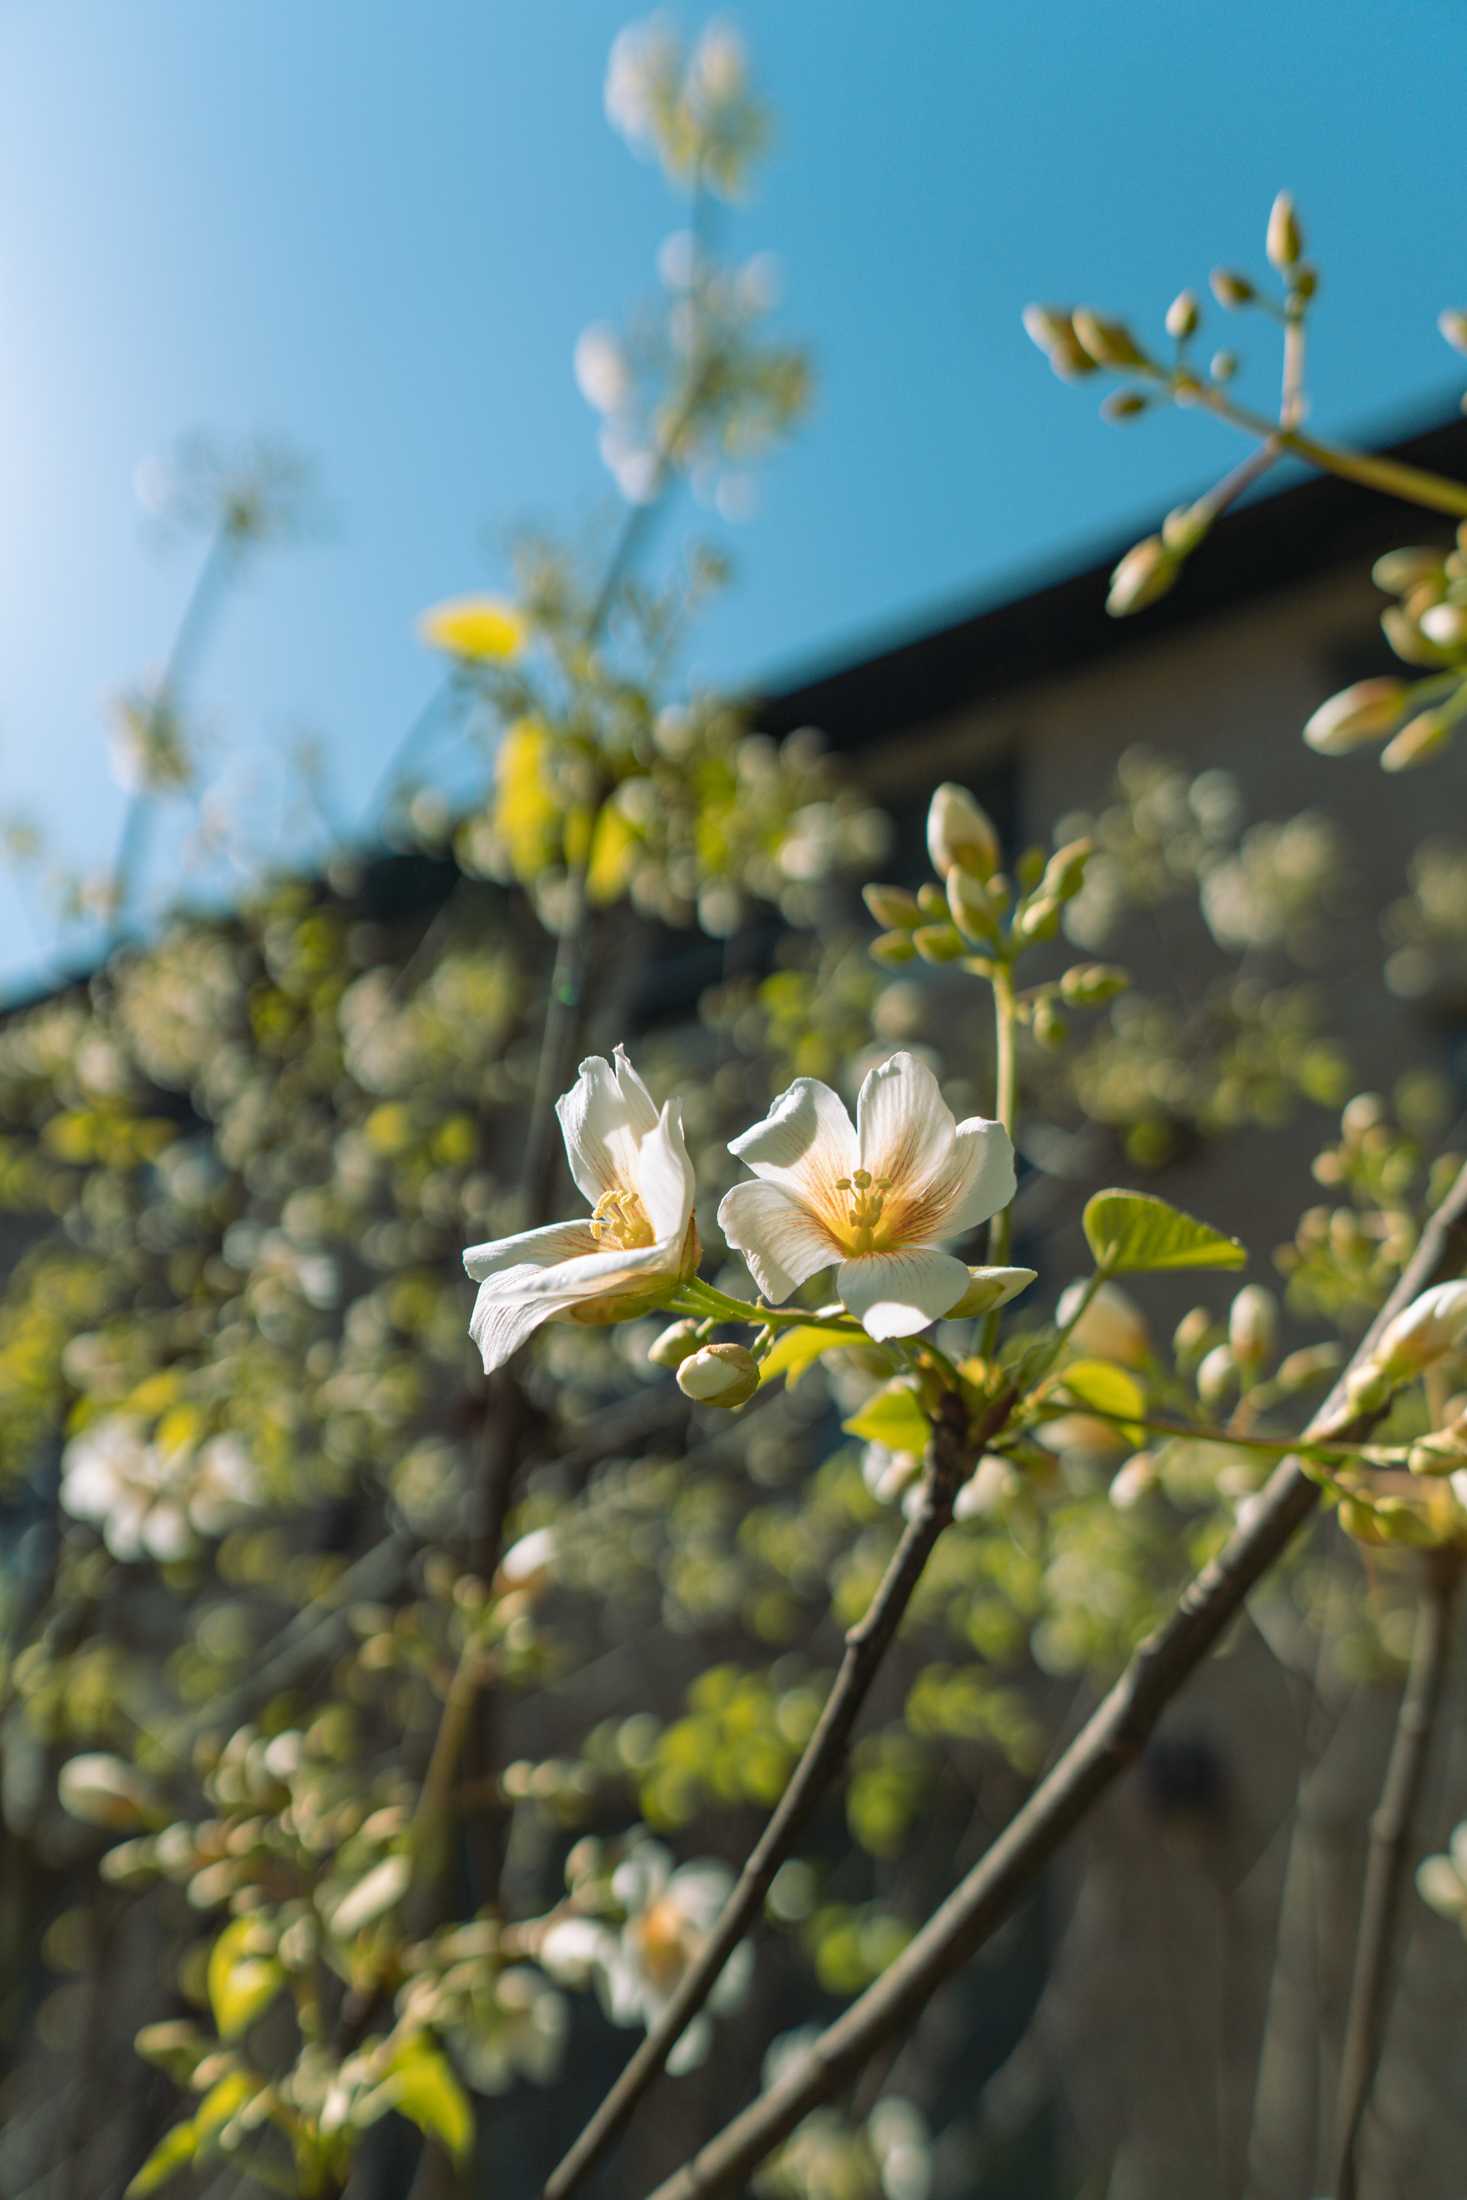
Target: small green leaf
{"x": 423, "y": 2088}
{"x": 242, "y": 1980}
{"x": 174, "y": 2149}
{"x": 1132, "y": 1230}
{"x": 893, "y": 1417}
{"x": 795, "y": 1352}
{"x": 1105, "y": 1389}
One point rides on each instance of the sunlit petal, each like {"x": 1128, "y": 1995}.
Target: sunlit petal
{"x": 805, "y": 1143}
{"x": 897, "y": 1294}
{"x": 783, "y": 1243}
{"x": 905, "y": 1128}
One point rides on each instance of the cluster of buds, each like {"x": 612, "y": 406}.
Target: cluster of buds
{"x": 979, "y": 917}
{"x": 1431, "y": 1330}
{"x": 1426, "y": 626}
{"x": 1078, "y": 341}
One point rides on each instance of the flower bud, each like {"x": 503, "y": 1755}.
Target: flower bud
{"x": 1144, "y": 575}
{"x": 1446, "y": 625}
{"x": 1223, "y": 365}
{"x": 526, "y": 1567}
{"x": 1453, "y": 325}
{"x": 1109, "y": 343}
{"x": 893, "y": 948}
{"x": 1122, "y": 405}
{"x": 1054, "y": 332}
{"x": 1183, "y": 316}
{"x": 1360, "y": 713}
{"x": 719, "y": 1375}
{"x": 674, "y": 1345}
{"x": 1253, "y": 1326}
{"x": 1285, "y": 240}
{"x": 892, "y": 907}
{"x": 960, "y": 832}
{"x": 102, "y": 1790}
{"x": 1397, "y": 571}
{"x": 1426, "y": 1331}
{"x": 989, "y": 1289}
{"x": 1064, "y": 874}
{"x": 993, "y": 1482}
{"x": 972, "y": 911}
{"x": 938, "y": 943}
{"x": 1308, "y": 1365}
{"x": 1215, "y": 1375}
{"x": 1112, "y": 1326}
{"x": 1133, "y": 1481}
{"x": 1038, "y": 919}
{"x": 1185, "y": 527}
{"x": 1189, "y": 1339}
{"x": 1091, "y": 985}
{"x": 1231, "y": 289}
{"x": 1418, "y": 741}
{"x": 1050, "y": 1028}
{"x": 1404, "y": 634}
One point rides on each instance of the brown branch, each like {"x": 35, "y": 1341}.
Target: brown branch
{"x": 1108, "y": 1743}
{"x": 951, "y": 1451}
{"x": 1390, "y": 1854}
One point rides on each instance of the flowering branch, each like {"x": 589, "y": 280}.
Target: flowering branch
{"x": 952, "y": 1450}
{"x": 1109, "y": 1742}
{"x": 1390, "y": 1855}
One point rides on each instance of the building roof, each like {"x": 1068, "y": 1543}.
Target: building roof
{"x": 1261, "y": 546}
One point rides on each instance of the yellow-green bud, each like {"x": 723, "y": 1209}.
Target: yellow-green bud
{"x": 892, "y": 907}
{"x": 1418, "y": 741}
{"x": 175, "y": 2046}
{"x": 104, "y": 1791}
{"x": 1253, "y": 1325}
{"x": 1399, "y": 570}
{"x": 1186, "y": 526}
{"x": 1183, "y": 316}
{"x": 1223, "y": 365}
{"x": 1400, "y": 1522}
{"x": 932, "y": 902}
{"x": 720, "y": 1375}
{"x": 960, "y": 831}
{"x": 1365, "y": 712}
{"x": 1050, "y": 1027}
{"x": 1109, "y": 343}
{"x": 972, "y": 911}
{"x": 1215, "y": 1375}
{"x": 1446, "y": 625}
{"x": 1091, "y": 985}
{"x": 1308, "y": 1365}
{"x": 1053, "y": 330}
{"x": 1407, "y": 640}
{"x": 1285, "y": 240}
{"x": 893, "y": 948}
{"x": 989, "y": 1289}
{"x": 1189, "y": 1338}
{"x": 1144, "y": 575}
{"x": 1453, "y": 325}
{"x": 1306, "y": 284}
{"x": 1038, "y": 919}
{"x": 1231, "y": 289}
{"x": 1360, "y": 1522}
{"x": 1123, "y": 405}
{"x": 674, "y": 1345}
{"x": 938, "y": 943}
{"x": 1134, "y": 1480}
{"x": 1064, "y": 874}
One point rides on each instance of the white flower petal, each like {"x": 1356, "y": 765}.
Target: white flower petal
{"x": 804, "y": 1143}
{"x": 603, "y": 1119}
{"x": 896, "y": 1294}
{"x": 978, "y": 1180}
{"x": 514, "y": 1302}
{"x": 692, "y": 2048}
{"x": 664, "y": 1174}
{"x": 904, "y": 1127}
{"x": 782, "y": 1241}
{"x": 545, "y": 1248}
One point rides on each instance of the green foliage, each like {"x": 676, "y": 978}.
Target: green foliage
{"x": 1127, "y": 1231}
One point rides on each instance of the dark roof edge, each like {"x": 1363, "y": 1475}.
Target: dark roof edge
{"x": 1060, "y": 624}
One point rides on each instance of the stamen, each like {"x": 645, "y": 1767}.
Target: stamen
{"x": 619, "y": 1221}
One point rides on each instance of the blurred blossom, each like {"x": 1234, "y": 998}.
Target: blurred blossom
{"x": 149, "y": 751}
{"x": 601, "y": 370}
{"x": 148, "y": 1501}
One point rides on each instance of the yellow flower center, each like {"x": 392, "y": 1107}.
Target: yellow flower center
{"x": 663, "y": 1942}
{"x": 619, "y": 1221}
{"x": 865, "y": 1198}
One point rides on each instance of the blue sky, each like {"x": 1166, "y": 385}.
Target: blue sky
{"x": 377, "y": 230}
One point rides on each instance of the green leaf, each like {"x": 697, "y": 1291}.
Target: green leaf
{"x": 174, "y": 2149}
{"x": 795, "y": 1352}
{"x": 1105, "y": 1389}
{"x": 222, "y": 2101}
{"x": 423, "y": 2088}
{"x": 242, "y": 1981}
{"x": 893, "y": 1417}
{"x": 1132, "y": 1230}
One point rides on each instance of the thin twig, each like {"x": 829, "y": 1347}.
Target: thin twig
{"x": 951, "y": 1451}
{"x": 1109, "y": 1742}
{"x": 1390, "y": 1854}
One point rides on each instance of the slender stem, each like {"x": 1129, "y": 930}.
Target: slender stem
{"x": 1274, "y": 1446}
{"x": 1291, "y": 400}
{"x": 1006, "y": 1103}
{"x": 132, "y": 844}
{"x": 951, "y": 1450}
{"x": 1433, "y": 492}
{"x": 1391, "y": 1831}
{"x": 1108, "y": 1743}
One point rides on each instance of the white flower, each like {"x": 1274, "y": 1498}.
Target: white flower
{"x": 1423, "y": 1332}
{"x": 878, "y": 1197}
{"x": 638, "y": 1242}
{"x": 114, "y": 1477}
{"x": 668, "y": 1916}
